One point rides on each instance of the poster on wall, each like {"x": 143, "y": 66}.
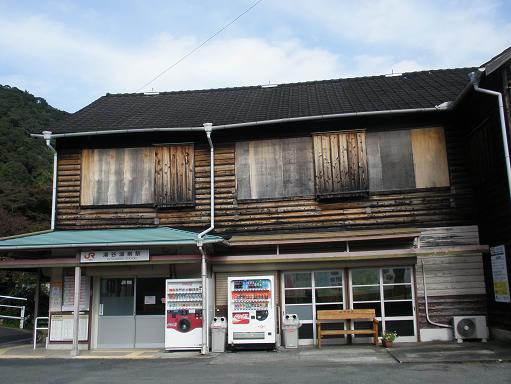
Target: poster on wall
{"x": 499, "y": 273}
{"x": 61, "y": 328}
{"x": 69, "y": 297}
{"x": 55, "y": 296}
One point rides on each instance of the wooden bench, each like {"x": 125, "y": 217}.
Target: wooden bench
{"x": 348, "y": 314}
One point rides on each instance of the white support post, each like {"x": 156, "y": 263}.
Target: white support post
{"x": 76, "y": 313}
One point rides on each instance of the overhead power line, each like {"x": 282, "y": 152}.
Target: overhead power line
{"x": 200, "y": 45}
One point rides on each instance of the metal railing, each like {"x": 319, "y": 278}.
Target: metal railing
{"x": 21, "y": 308}
{"x": 37, "y": 328}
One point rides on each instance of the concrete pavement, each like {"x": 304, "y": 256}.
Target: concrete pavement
{"x": 341, "y": 354}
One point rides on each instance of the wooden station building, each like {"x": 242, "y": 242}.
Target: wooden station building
{"x": 366, "y": 192}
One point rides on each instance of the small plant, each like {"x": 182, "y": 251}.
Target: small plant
{"x": 389, "y": 336}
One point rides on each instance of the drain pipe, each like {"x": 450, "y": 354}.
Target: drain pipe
{"x": 475, "y": 81}
{"x": 208, "y": 127}
{"x": 47, "y": 137}
{"x": 426, "y": 300}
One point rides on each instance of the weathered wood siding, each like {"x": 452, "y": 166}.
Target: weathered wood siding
{"x": 479, "y": 114}
{"x": 448, "y": 206}
{"x": 174, "y": 174}
{"x": 455, "y": 283}
{"x": 340, "y": 163}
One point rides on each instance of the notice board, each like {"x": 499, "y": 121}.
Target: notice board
{"x": 61, "y": 328}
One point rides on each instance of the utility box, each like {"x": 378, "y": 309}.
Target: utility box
{"x": 218, "y": 334}
{"x": 290, "y": 325}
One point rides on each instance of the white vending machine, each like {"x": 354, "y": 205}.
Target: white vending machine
{"x": 183, "y": 314}
{"x": 251, "y": 312}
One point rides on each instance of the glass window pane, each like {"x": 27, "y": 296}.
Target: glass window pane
{"x": 366, "y": 325}
{"x": 334, "y": 326}
{"x": 398, "y": 308}
{"x": 402, "y": 327}
{"x": 304, "y": 312}
{"x": 397, "y": 292}
{"x": 149, "y": 295}
{"x": 366, "y": 293}
{"x": 297, "y": 280}
{"x": 328, "y": 307}
{"x": 328, "y": 295}
{"x": 365, "y": 276}
{"x": 328, "y": 279}
{"x": 298, "y": 296}
{"x": 396, "y": 275}
{"x": 116, "y": 297}
{"x": 305, "y": 331}
{"x": 375, "y": 306}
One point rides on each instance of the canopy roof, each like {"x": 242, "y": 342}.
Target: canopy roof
{"x": 105, "y": 238}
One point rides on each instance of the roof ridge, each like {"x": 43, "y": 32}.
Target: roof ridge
{"x": 261, "y": 86}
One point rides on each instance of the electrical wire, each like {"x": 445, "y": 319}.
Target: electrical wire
{"x": 200, "y": 45}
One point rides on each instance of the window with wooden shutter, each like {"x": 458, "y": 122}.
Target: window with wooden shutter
{"x": 340, "y": 164}
{"x": 117, "y": 176}
{"x": 174, "y": 175}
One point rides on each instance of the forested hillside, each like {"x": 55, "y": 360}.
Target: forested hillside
{"x": 25, "y": 163}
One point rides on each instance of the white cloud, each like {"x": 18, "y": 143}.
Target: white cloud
{"x": 66, "y": 57}
{"x": 447, "y": 33}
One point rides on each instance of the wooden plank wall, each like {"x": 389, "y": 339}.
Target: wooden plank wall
{"x": 455, "y": 286}
{"x": 340, "y": 163}
{"x": 455, "y": 283}
{"x": 439, "y": 207}
{"x": 174, "y": 173}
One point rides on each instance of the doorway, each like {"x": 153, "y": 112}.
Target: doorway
{"x": 131, "y": 313}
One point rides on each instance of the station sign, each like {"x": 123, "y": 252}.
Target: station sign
{"x": 114, "y": 256}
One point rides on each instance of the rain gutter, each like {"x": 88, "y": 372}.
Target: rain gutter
{"x": 442, "y": 107}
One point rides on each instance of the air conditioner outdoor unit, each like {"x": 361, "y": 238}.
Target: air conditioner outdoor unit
{"x": 470, "y": 327}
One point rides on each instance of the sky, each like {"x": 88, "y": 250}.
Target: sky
{"x": 73, "y": 52}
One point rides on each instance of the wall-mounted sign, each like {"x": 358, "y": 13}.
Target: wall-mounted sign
{"x": 114, "y": 256}
{"x": 499, "y": 272}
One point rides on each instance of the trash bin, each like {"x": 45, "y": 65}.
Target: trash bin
{"x": 218, "y": 334}
{"x": 290, "y": 325}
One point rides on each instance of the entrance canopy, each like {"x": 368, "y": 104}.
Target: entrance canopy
{"x": 160, "y": 236}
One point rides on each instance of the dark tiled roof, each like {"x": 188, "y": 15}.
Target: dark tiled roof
{"x": 424, "y": 89}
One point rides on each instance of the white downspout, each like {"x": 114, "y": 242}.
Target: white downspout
{"x": 205, "y": 325}
{"x": 426, "y": 300}
{"x": 47, "y": 136}
{"x": 475, "y": 82}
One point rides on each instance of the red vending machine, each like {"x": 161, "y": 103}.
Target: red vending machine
{"x": 251, "y": 312}
{"x": 183, "y": 314}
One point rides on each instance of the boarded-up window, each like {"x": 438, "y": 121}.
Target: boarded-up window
{"x": 274, "y": 168}
{"x": 117, "y": 176}
{"x": 174, "y": 176}
{"x": 390, "y": 160}
{"x": 340, "y": 163}
{"x": 407, "y": 159}
{"x": 429, "y": 157}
